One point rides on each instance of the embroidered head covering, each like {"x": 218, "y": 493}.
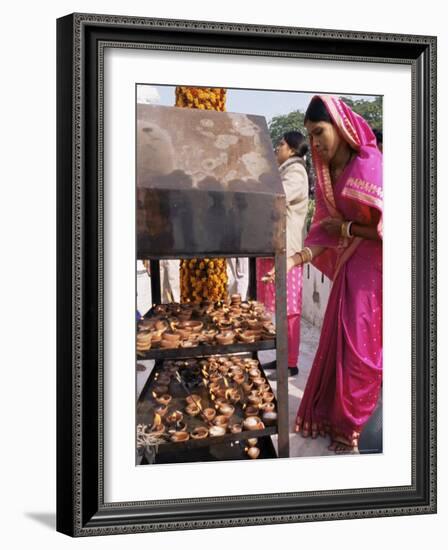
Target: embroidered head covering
{"x": 361, "y": 183}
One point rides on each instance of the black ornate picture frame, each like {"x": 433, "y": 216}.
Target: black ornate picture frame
{"x": 81, "y": 509}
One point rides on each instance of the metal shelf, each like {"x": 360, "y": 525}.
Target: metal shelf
{"x": 204, "y": 350}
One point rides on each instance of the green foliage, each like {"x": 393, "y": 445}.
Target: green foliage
{"x": 371, "y": 111}
{"x": 281, "y": 124}
{"x": 310, "y": 213}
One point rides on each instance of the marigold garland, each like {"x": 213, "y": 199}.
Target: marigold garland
{"x": 202, "y": 278}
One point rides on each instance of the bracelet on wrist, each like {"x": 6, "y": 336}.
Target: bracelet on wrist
{"x": 345, "y": 229}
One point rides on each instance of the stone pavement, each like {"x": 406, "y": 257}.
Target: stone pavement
{"x": 300, "y": 446}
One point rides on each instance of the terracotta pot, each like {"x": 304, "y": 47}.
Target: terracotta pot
{"x": 201, "y": 432}
{"x": 180, "y": 436}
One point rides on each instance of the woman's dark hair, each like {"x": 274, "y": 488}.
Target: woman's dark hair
{"x": 297, "y": 142}
{"x": 317, "y": 112}
{"x": 378, "y": 135}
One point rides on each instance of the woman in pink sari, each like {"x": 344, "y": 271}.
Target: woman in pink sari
{"x": 345, "y": 243}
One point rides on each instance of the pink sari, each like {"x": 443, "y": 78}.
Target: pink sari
{"x": 345, "y": 379}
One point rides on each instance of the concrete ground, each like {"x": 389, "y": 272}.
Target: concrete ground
{"x": 298, "y": 445}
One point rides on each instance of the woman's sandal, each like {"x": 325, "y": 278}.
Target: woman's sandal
{"x": 343, "y": 449}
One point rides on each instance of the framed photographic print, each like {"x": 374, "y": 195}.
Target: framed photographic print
{"x": 246, "y": 275}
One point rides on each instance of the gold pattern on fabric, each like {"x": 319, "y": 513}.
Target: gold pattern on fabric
{"x": 363, "y": 197}
{"x": 365, "y": 186}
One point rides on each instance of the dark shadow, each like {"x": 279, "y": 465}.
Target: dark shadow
{"x": 48, "y": 519}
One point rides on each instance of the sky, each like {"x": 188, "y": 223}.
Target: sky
{"x": 251, "y": 102}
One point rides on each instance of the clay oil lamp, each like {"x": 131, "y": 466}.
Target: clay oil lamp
{"x": 216, "y": 431}
{"x": 234, "y": 395}
{"x": 246, "y": 337}
{"x": 193, "y": 398}
{"x": 162, "y": 325}
{"x": 235, "y": 298}
{"x": 147, "y": 324}
{"x": 245, "y": 306}
{"x": 192, "y": 409}
{"x": 251, "y": 411}
{"x": 236, "y": 428}
{"x": 214, "y": 387}
{"x": 223, "y": 369}
{"x": 209, "y": 414}
{"x": 254, "y": 324}
{"x": 144, "y": 338}
{"x": 156, "y": 338}
{"x": 269, "y": 418}
{"x": 247, "y": 386}
{"x": 225, "y": 338}
{"x": 163, "y": 378}
{"x": 268, "y": 407}
{"x": 210, "y": 335}
{"x": 169, "y": 344}
{"x": 184, "y": 332}
{"x": 225, "y": 324}
{"x": 252, "y": 441}
{"x": 174, "y": 417}
{"x": 221, "y": 421}
{"x": 259, "y": 381}
{"x": 171, "y": 336}
{"x": 226, "y": 410}
{"x": 267, "y": 396}
{"x": 236, "y": 369}
{"x": 254, "y": 373}
{"x": 221, "y": 392}
{"x": 178, "y": 437}
{"x": 201, "y": 432}
{"x": 262, "y": 388}
{"x": 191, "y": 326}
{"x": 238, "y": 378}
{"x": 164, "y": 399}
{"x": 215, "y": 377}
{"x": 160, "y": 389}
{"x": 252, "y": 423}
{"x": 253, "y": 452}
{"x": 220, "y": 401}
{"x": 161, "y": 410}
{"x": 254, "y": 400}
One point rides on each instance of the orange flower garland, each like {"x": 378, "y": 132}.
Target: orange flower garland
{"x": 202, "y": 278}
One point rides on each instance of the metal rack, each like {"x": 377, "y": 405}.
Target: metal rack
{"x": 179, "y": 216}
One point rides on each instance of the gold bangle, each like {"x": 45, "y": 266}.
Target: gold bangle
{"x": 309, "y": 254}
{"x": 345, "y": 229}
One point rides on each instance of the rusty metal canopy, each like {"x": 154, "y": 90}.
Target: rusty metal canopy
{"x": 207, "y": 184}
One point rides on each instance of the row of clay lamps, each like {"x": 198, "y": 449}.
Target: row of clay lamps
{"x": 245, "y": 322}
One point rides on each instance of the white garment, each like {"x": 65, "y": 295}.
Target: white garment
{"x": 238, "y": 276}
{"x": 170, "y": 281}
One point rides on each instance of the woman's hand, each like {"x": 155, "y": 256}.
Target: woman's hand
{"x": 269, "y": 277}
{"x": 332, "y": 226}
{"x": 290, "y": 263}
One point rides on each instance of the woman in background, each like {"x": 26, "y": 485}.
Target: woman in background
{"x": 345, "y": 243}
{"x": 290, "y": 153}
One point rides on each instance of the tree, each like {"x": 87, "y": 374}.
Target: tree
{"x": 371, "y": 111}
{"x": 281, "y": 124}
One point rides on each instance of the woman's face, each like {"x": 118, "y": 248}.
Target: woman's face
{"x": 325, "y": 138}
{"x": 283, "y": 152}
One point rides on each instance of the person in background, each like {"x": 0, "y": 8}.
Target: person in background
{"x": 290, "y": 153}
{"x": 379, "y": 139}
{"x": 344, "y": 243}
